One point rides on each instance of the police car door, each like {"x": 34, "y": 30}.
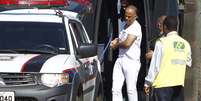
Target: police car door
{"x": 79, "y": 35}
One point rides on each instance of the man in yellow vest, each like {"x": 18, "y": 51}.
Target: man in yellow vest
{"x": 168, "y": 64}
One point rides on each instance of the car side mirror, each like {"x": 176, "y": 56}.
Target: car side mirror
{"x": 87, "y": 50}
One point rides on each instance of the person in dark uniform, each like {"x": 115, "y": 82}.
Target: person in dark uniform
{"x": 152, "y": 42}
{"x": 181, "y": 8}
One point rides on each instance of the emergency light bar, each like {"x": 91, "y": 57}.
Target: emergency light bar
{"x": 33, "y": 2}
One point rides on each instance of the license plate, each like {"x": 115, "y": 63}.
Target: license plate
{"x": 7, "y": 96}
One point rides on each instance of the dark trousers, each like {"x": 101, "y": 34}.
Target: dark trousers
{"x": 175, "y": 93}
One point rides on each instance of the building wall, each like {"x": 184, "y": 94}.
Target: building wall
{"x": 192, "y": 33}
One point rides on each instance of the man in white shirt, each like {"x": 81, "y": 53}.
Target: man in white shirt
{"x": 128, "y": 63}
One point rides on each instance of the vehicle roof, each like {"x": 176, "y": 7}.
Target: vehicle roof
{"x": 49, "y": 15}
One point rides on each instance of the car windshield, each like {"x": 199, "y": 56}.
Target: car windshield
{"x": 33, "y": 35}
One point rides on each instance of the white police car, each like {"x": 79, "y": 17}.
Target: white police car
{"x": 46, "y": 55}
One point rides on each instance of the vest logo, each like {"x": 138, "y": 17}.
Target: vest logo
{"x": 178, "y": 46}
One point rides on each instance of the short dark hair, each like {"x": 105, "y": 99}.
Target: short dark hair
{"x": 171, "y": 23}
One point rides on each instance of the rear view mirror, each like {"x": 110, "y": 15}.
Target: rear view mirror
{"x": 87, "y": 50}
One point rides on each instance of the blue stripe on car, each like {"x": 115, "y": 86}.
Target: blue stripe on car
{"x": 35, "y": 64}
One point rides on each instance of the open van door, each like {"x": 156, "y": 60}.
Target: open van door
{"x": 149, "y": 11}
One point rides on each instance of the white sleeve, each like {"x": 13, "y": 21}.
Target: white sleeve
{"x": 155, "y": 63}
{"x": 134, "y": 29}
{"x": 189, "y": 59}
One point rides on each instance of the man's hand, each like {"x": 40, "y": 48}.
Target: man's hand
{"x": 114, "y": 43}
{"x": 147, "y": 90}
{"x": 149, "y": 54}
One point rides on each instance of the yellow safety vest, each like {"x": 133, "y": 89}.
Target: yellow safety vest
{"x": 173, "y": 63}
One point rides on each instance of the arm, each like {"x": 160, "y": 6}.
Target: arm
{"x": 189, "y": 59}
{"x": 149, "y": 54}
{"x": 128, "y": 42}
{"x": 154, "y": 66}
{"x": 123, "y": 44}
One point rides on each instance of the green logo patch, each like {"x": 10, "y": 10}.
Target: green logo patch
{"x": 178, "y": 45}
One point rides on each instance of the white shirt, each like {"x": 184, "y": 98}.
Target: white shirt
{"x": 180, "y": 5}
{"x": 133, "y": 52}
{"x": 156, "y": 61}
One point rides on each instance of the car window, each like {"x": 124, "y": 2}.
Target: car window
{"x": 78, "y": 32}
{"x": 26, "y": 35}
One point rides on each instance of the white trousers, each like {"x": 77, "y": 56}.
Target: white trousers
{"x": 125, "y": 69}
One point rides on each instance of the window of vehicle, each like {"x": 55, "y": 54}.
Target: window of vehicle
{"x": 27, "y": 35}
{"x": 78, "y": 32}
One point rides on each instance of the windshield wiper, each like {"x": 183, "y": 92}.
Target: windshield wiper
{"x": 8, "y": 51}
{"x": 34, "y": 51}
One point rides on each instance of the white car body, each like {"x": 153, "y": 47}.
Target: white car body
{"x": 85, "y": 84}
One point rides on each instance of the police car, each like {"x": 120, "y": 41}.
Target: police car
{"x": 46, "y": 55}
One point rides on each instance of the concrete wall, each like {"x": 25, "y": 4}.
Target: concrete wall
{"x": 192, "y": 32}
